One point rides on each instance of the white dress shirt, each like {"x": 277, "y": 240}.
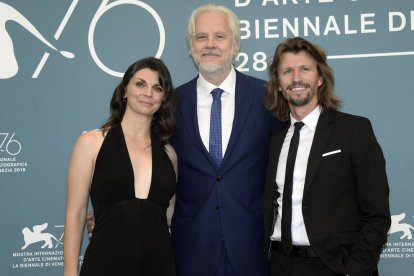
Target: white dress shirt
{"x": 204, "y": 102}
{"x": 299, "y": 235}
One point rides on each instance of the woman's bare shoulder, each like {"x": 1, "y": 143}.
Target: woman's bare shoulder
{"x": 91, "y": 139}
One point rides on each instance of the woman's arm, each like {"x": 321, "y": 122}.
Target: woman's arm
{"x": 79, "y": 177}
{"x": 173, "y": 157}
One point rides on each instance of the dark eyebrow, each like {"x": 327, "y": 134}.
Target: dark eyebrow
{"x": 155, "y": 84}
{"x": 141, "y": 79}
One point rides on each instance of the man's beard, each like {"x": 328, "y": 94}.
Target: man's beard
{"x": 208, "y": 68}
{"x": 299, "y": 101}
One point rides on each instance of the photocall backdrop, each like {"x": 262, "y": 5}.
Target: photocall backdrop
{"x": 61, "y": 60}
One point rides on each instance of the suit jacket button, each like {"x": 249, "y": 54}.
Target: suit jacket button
{"x": 219, "y": 178}
{"x": 217, "y": 208}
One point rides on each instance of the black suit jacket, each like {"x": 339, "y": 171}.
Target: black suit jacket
{"x": 345, "y": 201}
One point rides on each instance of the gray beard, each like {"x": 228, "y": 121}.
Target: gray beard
{"x": 213, "y": 69}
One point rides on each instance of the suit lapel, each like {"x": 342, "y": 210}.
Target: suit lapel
{"x": 274, "y": 151}
{"x": 243, "y": 103}
{"x": 271, "y": 188}
{"x": 322, "y": 134}
{"x": 189, "y": 115}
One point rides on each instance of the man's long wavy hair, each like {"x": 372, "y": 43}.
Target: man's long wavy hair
{"x": 275, "y": 103}
{"x": 163, "y": 123}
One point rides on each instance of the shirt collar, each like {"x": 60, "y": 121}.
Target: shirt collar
{"x": 228, "y": 85}
{"x": 311, "y": 120}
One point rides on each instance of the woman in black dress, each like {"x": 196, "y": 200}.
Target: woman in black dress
{"x": 129, "y": 171}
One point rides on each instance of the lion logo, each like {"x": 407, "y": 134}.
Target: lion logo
{"x": 36, "y": 235}
{"x": 398, "y": 226}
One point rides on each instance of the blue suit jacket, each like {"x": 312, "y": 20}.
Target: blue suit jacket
{"x": 221, "y": 205}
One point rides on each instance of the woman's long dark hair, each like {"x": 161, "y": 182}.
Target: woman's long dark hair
{"x": 163, "y": 124}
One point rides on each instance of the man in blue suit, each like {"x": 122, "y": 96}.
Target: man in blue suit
{"x": 217, "y": 227}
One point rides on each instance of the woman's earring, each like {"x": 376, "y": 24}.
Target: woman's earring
{"x": 124, "y": 99}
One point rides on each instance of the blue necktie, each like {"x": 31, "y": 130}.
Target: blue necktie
{"x": 286, "y": 227}
{"x": 215, "y": 127}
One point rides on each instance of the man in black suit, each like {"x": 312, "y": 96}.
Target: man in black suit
{"x": 336, "y": 205}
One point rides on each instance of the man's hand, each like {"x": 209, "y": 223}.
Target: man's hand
{"x": 90, "y": 223}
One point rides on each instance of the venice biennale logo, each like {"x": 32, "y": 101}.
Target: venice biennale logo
{"x": 9, "y": 66}
{"x": 403, "y": 228}
{"x": 38, "y": 236}
{"x": 42, "y": 247}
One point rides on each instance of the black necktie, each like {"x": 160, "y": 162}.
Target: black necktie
{"x": 287, "y": 191}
